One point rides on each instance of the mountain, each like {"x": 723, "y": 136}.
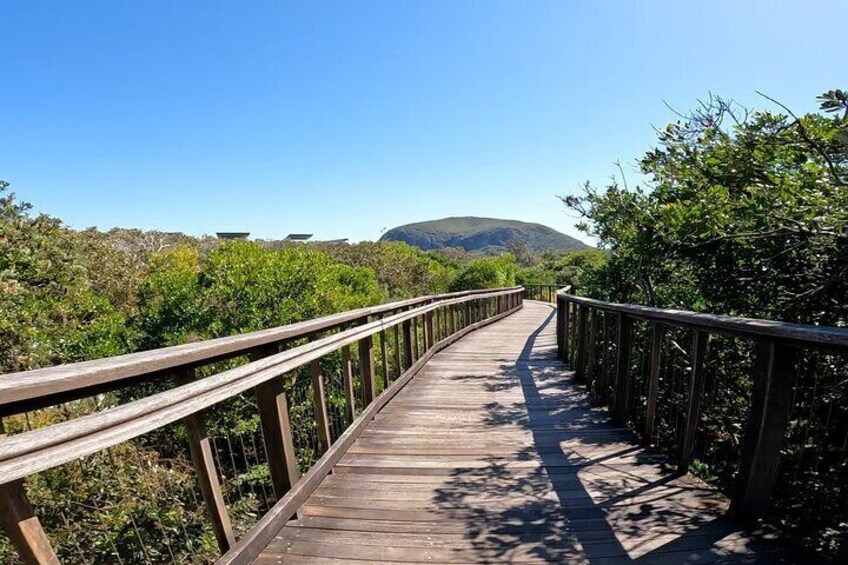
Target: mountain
{"x": 479, "y": 234}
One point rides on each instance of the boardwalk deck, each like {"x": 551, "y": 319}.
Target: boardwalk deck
{"x": 493, "y": 454}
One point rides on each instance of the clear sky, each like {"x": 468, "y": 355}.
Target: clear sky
{"x": 345, "y": 118}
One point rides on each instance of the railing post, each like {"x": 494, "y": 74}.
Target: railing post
{"x": 621, "y": 388}
{"x": 416, "y": 345}
{"x": 656, "y": 331}
{"x": 384, "y": 360}
{"x": 366, "y": 368}
{"x": 566, "y": 309}
{"x": 398, "y": 366}
{"x": 771, "y": 404}
{"x": 696, "y": 390}
{"x": 22, "y": 525}
{"x": 593, "y": 347}
{"x": 560, "y": 333}
{"x": 277, "y": 433}
{"x": 347, "y": 382}
{"x": 580, "y": 361}
{"x": 406, "y": 326}
{"x": 319, "y": 403}
{"x": 207, "y": 475}
{"x": 429, "y": 330}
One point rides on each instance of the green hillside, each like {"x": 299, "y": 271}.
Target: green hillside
{"x": 480, "y": 234}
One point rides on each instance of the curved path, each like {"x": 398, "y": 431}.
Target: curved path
{"x": 492, "y": 454}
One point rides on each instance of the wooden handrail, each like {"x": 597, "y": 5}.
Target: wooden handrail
{"x": 31, "y": 452}
{"x": 751, "y": 327}
{"x": 29, "y": 390}
{"x": 776, "y": 350}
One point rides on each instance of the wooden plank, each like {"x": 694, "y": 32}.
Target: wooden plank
{"x": 695, "y": 392}
{"x": 277, "y": 435}
{"x": 492, "y": 454}
{"x": 207, "y": 474}
{"x": 771, "y": 404}
{"x": 252, "y": 543}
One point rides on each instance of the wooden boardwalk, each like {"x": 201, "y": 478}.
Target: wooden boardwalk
{"x": 493, "y": 454}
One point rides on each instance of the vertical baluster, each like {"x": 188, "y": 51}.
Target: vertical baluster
{"x": 366, "y": 368}
{"x": 398, "y": 367}
{"x": 407, "y": 342}
{"x": 591, "y": 375}
{"x": 384, "y": 358}
{"x": 580, "y": 364}
{"x": 429, "y": 330}
{"x": 416, "y": 345}
{"x": 319, "y": 403}
{"x": 696, "y": 389}
{"x": 771, "y": 404}
{"x": 277, "y": 433}
{"x": 621, "y": 388}
{"x": 566, "y": 329}
{"x": 347, "y": 383}
{"x": 207, "y": 474}
{"x": 656, "y": 332}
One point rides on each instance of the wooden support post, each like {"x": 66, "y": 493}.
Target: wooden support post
{"x": 416, "y": 345}
{"x": 427, "y": 326}
{"x": 347, "y": 382}
{"x": 696, "y": 390}
{"x": 560, "y": 334}
{"x": 771, "y": 404}
{"x": 566, "y": 320}
{"x": 277, "y": 433}
{"x": 621, "y": 389}
{"x": 366, "y": 368}
{"x": 580, "y": 362}
{"x": 22, "y": 525}
{"x": 467, "y": 314}
{"x": 398, "y": 367}
{"x": 593, "y": 348}
{"x": 406, "y": 326}
{"x": 656, "y": 332}
{"x": 384, "y": 358}
{"x": 207, "y": 475}
{"x": 319, "y": 404}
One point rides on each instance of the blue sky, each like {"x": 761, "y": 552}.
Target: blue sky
{"x": 345, "y": 118}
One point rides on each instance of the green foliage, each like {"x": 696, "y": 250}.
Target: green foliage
{"x": 487, "y": 272}
{"x": 403, "y": 271}
{"x": 746, "y": 213}
{"x": 241, "y": 287}
{"x": 573, "y": 268}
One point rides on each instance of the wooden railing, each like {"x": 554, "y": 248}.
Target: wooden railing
{"x": 543, "y": 292}
{"x": 759, "y": 406}
{"x": 408, "y": 333}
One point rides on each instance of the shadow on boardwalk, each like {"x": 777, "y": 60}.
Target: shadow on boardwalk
{"x": 595, "y": 495}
